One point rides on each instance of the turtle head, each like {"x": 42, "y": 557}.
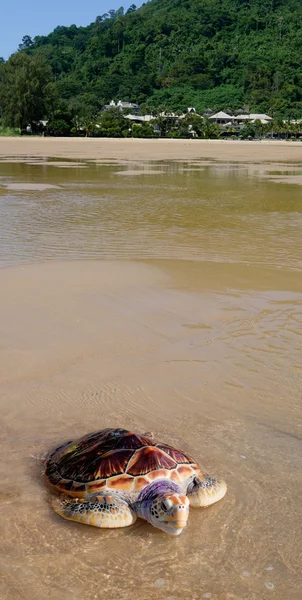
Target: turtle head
{"x": 169, "y": 512}
{"x": 162, "y": 505}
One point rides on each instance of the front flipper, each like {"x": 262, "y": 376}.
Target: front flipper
{"x": 104, "y": 511}
{"x": 206, "y": 490}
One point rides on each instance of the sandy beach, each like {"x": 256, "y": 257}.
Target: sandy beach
{"x": 151, "y": 150}
{"x": 168, "y": 300}
{"x": 109, "y": 344}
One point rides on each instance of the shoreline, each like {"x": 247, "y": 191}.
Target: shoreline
{"x": 124, "y": 150}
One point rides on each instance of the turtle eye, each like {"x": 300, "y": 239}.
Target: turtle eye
{"x": 165, "y": 505}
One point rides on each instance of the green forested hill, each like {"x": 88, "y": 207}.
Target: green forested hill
{"x": 180, "y": 53}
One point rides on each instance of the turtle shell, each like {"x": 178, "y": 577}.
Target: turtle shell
{"x": 116, "y": 459}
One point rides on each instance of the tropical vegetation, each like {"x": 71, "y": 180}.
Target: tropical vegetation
{"x": 226, "y": 54}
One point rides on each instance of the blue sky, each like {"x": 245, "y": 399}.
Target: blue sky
{"x": 35, "y": 17}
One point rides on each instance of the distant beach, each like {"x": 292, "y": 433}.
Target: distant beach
{"x": 150, "y": 149}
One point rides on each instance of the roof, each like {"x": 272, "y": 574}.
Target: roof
{"x": 121, "y": 104}
{"x": 261, "y": 117}
{"x": 147, "y": 118}
{"x": 127, "y": 104}
{"x": 253, "y": 117}
{"x": 221, "y": 115}
{"x": 142, "y": 118}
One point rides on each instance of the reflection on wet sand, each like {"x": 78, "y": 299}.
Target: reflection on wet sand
{"x": 196, "y": 337}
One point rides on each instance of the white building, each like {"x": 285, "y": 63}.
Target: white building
{"x": 122, "y": 105}
{"x": 140, "y": 118}
{"x": 221, "y": 118}
{"x": 252, "y": 117}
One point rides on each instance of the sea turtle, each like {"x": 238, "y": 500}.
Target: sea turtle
{"x": 114, "y": 476}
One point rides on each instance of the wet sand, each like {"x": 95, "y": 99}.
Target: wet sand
{"x": 141, "y": 150}
{"x": 191, "y": 327}
{"x": 86, "y": 345}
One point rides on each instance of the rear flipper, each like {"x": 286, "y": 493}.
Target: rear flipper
{"x": 206, "y": 490}
{"x": 104, "y": 511}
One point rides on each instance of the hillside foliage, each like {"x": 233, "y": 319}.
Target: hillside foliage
{"x": 178, "y": 53}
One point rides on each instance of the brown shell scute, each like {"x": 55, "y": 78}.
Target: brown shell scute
{"x": 149, "y": 459}
{"x": 177, "y": 455}
{"x": 113, "y": 463}
{"x": 116, "y": 458}
{"x": 132, "y": 440}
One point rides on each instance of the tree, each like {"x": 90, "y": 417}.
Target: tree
{"x": 248, "y": 131}
{"x": 101, "y": 18}
{"x": 112, "y": 123}
{"x": 195, "y": 123}
{"x": 84, "y": 107}
{"x": 58, "y": 127}
{"x": 112, "y": 14}
{"x": 26, "y": 43}
{"x": 142, "y": 131}
{"x": 117, "y": 31}
{"x": 131, "y": 8}
{"x": 181, "y": 53}
{"x": 25, "y": 90}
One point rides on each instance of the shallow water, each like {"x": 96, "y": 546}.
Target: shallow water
{"x": 207, "y": 213}
{"x": 191, "y": 329}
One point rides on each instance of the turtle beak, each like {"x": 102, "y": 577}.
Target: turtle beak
{"x": 175, "y": 521}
